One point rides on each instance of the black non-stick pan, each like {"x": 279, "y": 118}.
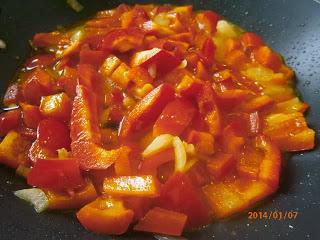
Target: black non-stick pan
{"x": 292, "y": 27}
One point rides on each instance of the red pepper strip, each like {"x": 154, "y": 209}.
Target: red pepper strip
{"x": 56, "y": 174}
{"x": 159, "y": 220}
{"x": 85, "y": 133}
{"x": 146, "y": 111}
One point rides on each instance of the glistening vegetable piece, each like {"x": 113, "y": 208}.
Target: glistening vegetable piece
{"x": 152, "y": 118}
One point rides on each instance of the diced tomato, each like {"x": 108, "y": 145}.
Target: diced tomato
{"x": 158, "y": 220}
{"x": 180, "y": 195}
{"x": 146, "y": 111}
{"x": 150, "y": 164}
{"x": 135, "y": 186}
{"x": 175, "y": 117}
{"x": 39, "y": 60}
{"x": 58, "y": 174}
{"x": 251, "y": 40}
{"x": 31, "y": 115}
{"x": 56, "y": 106}
{"x": 163, "y": 61}
{"x": 9, "y": 120}
{"x": 123, "y": 39}
{"x": 106, "y": 216}
{"x": 53, "y": 134}
{"x": 92, "y": 57}
{"x": 38, "y": 84}
{"x": 220, "y": 165}
{"x": 266, "y": 57}
{"x": 208, "y": 21}
{"x": 46, "y": 39}
{"x": 12, "y": 95}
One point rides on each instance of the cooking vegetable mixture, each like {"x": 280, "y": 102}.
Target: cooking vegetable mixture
{"x": 156, "y": 118}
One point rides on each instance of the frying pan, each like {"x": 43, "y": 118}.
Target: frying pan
{"x": 291, "y": 27}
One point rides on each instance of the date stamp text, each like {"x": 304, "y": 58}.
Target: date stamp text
{"x": 272, "y": 215}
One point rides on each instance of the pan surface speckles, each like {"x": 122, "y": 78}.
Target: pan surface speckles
{"x": 290, "y": 27}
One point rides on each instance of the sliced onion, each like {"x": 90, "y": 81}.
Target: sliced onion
{"x": 75, "y": 5}
{"x": 158, "y": 144}
{"x": 35, "y": 196}
{"x": 180, "y": 154}
{"x": 189, "y": 148}
{"x": 3, "y": 45}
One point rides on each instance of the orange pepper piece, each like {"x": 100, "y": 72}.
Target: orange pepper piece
{"x": 144, "y": 186}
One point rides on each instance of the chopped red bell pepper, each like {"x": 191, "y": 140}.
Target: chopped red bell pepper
{"x": 251, "y": 40}
{"x": 12, "y": 95}
{"x": 53, "y": 134}
{"x": 203, "y": 142}
{"x": 106, "y": 216}
{"x": 163, "y": 221}
{"x": 207, "y": 52}
{"x": 189, "y": 87}
{"x": 123, "y": 39}
{"x": 265, "y": 56}
{"x": 134, "y": 186}
{"x": 57, "y": 174}
{"x": 209, "y": 109}
{"x": 208, "y": 21}
{"x": 92, "y": 57}
{"x": 56, "y": 106}
{"x": 220, "y": 165}
{"x": 31, "y": 115}
{"x": 46, "y": 39}
{"x": 39, "y": 60}
{"x": 270, "y": 167}
{"x": 146, "y": 111}
{"x": 38, "y": 84}
{"x": 179, "y": 194}
{"x": 175, "y": 118}
{"x": 38, "y": 152}
{"x": 87, "y": 75}
{"x": 163, "y": 61}
{"x": 150, "y": 164}
{"x": 9, "y": 120}
{"x": 85, "y": 133}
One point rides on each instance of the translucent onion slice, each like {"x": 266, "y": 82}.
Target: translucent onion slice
{"x": 35, "y": 196}
{"x": 158, "y": 144}
{"x": 180, "y": 154}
